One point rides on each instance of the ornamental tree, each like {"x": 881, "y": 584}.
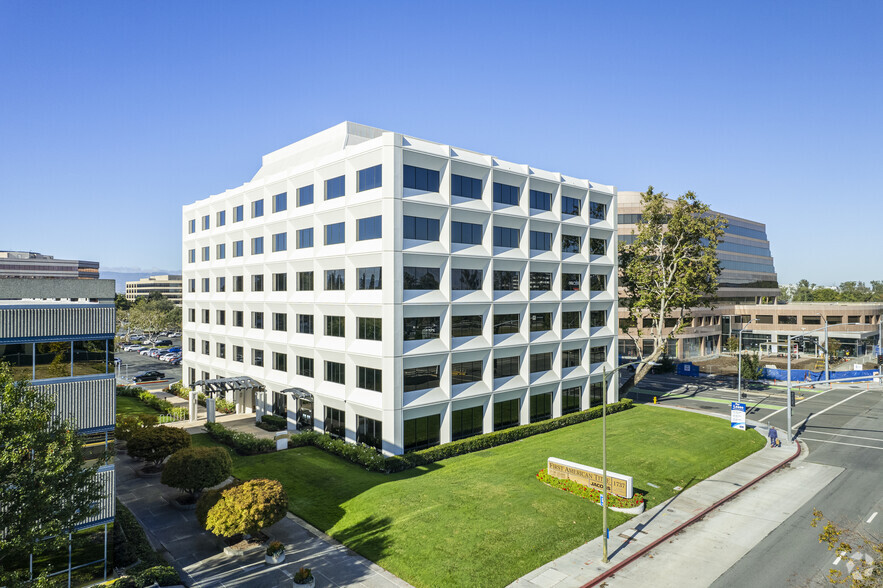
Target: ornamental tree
{"x": 46, "y": 489}
{"x": 863, "y": 553}
{"x": 670, "y": 267}
{"x": 155, "y": 444}
{"x": 248, "y": 508}
{"x": 194, "y": 468}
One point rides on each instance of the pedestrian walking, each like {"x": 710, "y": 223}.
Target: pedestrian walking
{"x": 774, "y": 436}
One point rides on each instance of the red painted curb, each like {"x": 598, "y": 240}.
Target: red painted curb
{"x": 686, "y": 524}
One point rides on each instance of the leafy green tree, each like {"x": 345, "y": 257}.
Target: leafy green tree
{"x": 733, "y": 344}
{"x": 671, "y": 266}
{"x": 248, "y": 508}
{"x": 823, "y": 294}
{"x": 155, "y": 444}
{"x": 153, "y": 316}
{"x": 802, "y": 292}
{"x": 864, "y": 553}
{"x": 855, "y": 292}
{"x": 751, "y": 368}
{"x": 46, "y": 489}
{"x": 195, "y": 468}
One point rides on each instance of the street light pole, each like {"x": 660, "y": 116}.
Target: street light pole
{"x": 604, "y": 467}
{"x": 739, "y": 386}
{"x": 788, "y": 400}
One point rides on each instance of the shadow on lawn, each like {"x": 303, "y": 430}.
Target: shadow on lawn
{"x": 368, "y": 537}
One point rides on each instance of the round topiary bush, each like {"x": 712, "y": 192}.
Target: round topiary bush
{"x": 194, "y": 468}
{"x": 207, "y": 500}
{"x": 248, "y": 508}
{"x": 155, "y": 444}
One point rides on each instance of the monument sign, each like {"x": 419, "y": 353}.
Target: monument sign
{"x": 591, "y": 477}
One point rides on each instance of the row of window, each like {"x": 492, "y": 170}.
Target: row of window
{"x": 366, "y": 179}
{"x": 415, "y": 228}
{"x": 424, "y": 432}
{"x": 413, "y": 328}
{"x": 58, "y": 359}
{"x": 368, "y": 431}
{"x": 413, "y": 278}
{"x": 427, "y": 180}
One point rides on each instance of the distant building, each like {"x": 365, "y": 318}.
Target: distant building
{"x": 27, "y": 264}
{"x": 167, "y": 285}
{"x": 58, "y": 333}
{"x": 748, "y": 300}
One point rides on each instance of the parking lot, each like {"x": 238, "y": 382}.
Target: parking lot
{"x": 134, "y": 363}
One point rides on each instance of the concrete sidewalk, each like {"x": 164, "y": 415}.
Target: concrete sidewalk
{"x": 199, "y": 556}
{"x": 707, "y": 548}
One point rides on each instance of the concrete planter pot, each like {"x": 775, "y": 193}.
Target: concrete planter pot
{"x": 634, "y": 510}
{"x": 310, "y": 584}
{"x": 274, "y": 559}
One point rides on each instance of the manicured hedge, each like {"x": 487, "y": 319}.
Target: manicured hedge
{"x": 163, "y": 406}
{"x": 130, "y": 545}
{"x": 243, "y": 443}
{"x": 372, "y": 460}
{"x": 274, "y": 422}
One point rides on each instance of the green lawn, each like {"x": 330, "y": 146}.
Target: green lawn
{"x": 483, "y": 519}
{"x": 126, "y": 405}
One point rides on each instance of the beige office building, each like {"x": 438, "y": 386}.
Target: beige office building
{"x": 167, "y": 285}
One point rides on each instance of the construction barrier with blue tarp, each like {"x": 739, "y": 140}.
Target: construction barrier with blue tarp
{"x": 688, "y": 369}
{"x": 810, "y": 376}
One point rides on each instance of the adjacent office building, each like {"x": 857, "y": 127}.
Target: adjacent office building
{"x": 27, "y": 264}
{"x": 58, "y": 333}
{"x": 168, "y": 286}
{"x": 403, "y": 293}
{"x": 747, "y": 300}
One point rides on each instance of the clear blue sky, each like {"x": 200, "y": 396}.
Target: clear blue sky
{"x": 115, "y": 114}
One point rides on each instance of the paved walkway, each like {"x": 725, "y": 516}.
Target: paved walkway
{"x": 198, "y": 555}
{"x": 706, "y": 549}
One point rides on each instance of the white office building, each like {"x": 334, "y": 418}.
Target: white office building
{"x": 403, "y": 293}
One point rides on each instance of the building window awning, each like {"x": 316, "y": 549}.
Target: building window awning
{"x": 229, "y": 384}
{"x": 298, "y": 393}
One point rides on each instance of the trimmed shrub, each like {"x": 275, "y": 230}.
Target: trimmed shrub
{"x": 274, "y": 422}
{"x": 157, "y": 443}
{"x": 129, "y": 541}
{"x": 242, "y": 443}
{"x": 126, "y": 425}
{"x": 163, "y": 575}
{"x": 194, "y": 468}
{"x": 248, "y": 508}
{"x": 208, "y": 499}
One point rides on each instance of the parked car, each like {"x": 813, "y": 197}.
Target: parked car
{"x": 174, "y": 350}
{"x": 149, "y": 376}
{"x": 164, "y": 343}
{"x": 176, "y": 361}
{"x": 147, "y": 350}
{"x": 175, "y": 334}
{"x": 133, "y": 347}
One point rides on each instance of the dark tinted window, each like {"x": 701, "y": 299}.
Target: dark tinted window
{"x": 369, "y": 379}
{"x": 334, "y": 422}
{"x": 570, "y": 282}
{"x": 305, "y": 281}
{"x": 420, "y": 378}
{"x": 335, "y": 187}
{"x": 466, "y": 279}
{"x": 505, "y": 324}
{"x": 571, "y": 243}
{"x": 467, "y": 422}
{"x": 420, "y": 228}
{"x": 570, "y": 206}
{"x": 465, "y": 233}
{"x": 506, "y": 414}
{"x": 465, "y": 187}
{"x": 597, "y": 318}
{"x": 597, "y": 282}
{"x": 420, "y": 328}
{"x": 305, "y": 324}
{"x": 305, "y": 195}
{"x": 369, "y": 278}
{"x": 570, "y": 358}
{"x": 540, "y": 281}
{"x": 334, "y": 279}
{"x": 305, "y": 366}
{"x": 505, "y": 194}
{"x": 570, "y": 319}
{"x": 304, "y": 238}
{"x": 505, "y": 367}
{"x": 505, "y": 280}
{"x": 421, "y": 278}
{"x": 418, "y": 178}
{"x": 540, "y": 362}
{"x": 280, "y": 282}
{"x": 540, "y": 407}
{"x": 334, "y": 233}
{"x": 465, "y": 372}
{"x": 570, "y": 398}
{"x": 369, "y": 178}
{"x": 540, "y": 200}
{"x": 369, "y": 432}
{"x": 335, "y": 326}
{"x": 540, "y": 321}
{"x": 280, "y": 202}
{"x": 597, "y": 210}
{"x": 505, "y": 237}
{"x": 369, "y": 328}
{"x": 421, "y": 433}
{"x": 598, "y": 246}
{"x": 466, "y": 326}
{"x": 541, "y": 241}
{"x": 368, "y": 228}
{"x": 598, "y": 354}
{"x": 334, "y": 372}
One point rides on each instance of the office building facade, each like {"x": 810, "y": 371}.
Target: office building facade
{"x": 59, "y": 334}
{"x": 168, "y": 286}
{"x": 27, "y": 264}
{"x": 409, "y": 293}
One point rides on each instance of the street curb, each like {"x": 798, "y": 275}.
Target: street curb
{"x": 686, "y": 524}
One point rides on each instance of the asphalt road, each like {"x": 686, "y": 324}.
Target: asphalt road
{"x": 842, "y": 427}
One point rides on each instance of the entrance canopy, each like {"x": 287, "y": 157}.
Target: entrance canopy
{"x": 236, "y": 384}
{"x": 298, "y": 393}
